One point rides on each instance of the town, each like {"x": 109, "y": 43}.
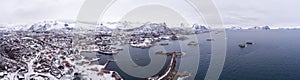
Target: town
{"x": 42, "y": 54}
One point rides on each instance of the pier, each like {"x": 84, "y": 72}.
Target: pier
{"x": 170, "y": 72}
{"x": 106, "y": 63}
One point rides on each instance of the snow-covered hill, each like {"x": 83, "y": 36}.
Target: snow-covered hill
{"x": 260, "y": 28}
{"x": 199, "y": 27}
{"x": 158, "y": 28}
{"x": 135, "y": 27}
{"x": 51, "y": 25}
{"x": 40, "y": 26}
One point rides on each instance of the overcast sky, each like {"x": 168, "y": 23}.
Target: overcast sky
{"x": 233, "y": 12}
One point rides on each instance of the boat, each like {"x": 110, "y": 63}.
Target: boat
{"x": 163, "y": 44}
{"x": 119, "y": 49}
{"x": 192, "y": 43}
{"x": 249, "y": 42}
{"x": 107, "y": 50}
{"x": 242, "y": 45}
{"x": 160, "y": 53}
{"x": 209, "y": 39}
{"x": 141, "y": 45}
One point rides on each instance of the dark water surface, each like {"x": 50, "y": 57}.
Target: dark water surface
{"x": 274, "y": 56}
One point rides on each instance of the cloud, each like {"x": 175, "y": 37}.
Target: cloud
{"x": 259, "y": 12}
{"x": 233, "y": 12}
{"x": 23, "y": 11}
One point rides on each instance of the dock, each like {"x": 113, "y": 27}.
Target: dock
{"x": 170, "y": 72}
{"x": 106, "y": 63}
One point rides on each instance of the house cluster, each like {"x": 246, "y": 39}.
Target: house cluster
{"x": 104, "y": 42}
{"x": 32, "y": 55}
{"x": 40, "y": 54}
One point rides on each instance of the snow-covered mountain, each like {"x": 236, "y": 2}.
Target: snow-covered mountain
{"x": 123, "y": 25}
{"x": 289, "y": 28}
{"x": 234, "y": 28}
{"x": 135, "y": 27}
{"x": 51, "y": 25}
{"x": 260, "y": 28}
{"x": 159, "y": 28}
{"x": 199, "y": 27}
{"x": 40, "y": 26}
{"x": 13, "y": 27}
{"x": 266, "y": 28}
{"x": 102, "y": 27}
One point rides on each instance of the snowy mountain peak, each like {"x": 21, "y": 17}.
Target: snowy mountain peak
{"x": 199, "y": 27}
{"x": 50, "y": 25}
{"x": 102, "y": 27}
{"x": 266, "y": 28}
{"x": 260, "y": 28}
{"x": 154, "y": 26}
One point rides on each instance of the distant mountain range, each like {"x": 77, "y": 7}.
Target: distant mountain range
{"x": 68, "y": 25}
{"x": 50, "y": 25}
{"x": 41, "y": 26}
{"x": 148, "y": 27}
{"x": 251, "y": 28}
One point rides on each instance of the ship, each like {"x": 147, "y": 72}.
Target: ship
{"x": 107, "y": 50}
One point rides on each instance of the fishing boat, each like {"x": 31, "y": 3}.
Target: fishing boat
{"x": 242, "y": 45}
{"x": 107, "y": 50}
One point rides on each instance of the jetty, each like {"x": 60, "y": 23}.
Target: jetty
{"x": 170, "y": 72}
{"x": 106, "y": 63}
